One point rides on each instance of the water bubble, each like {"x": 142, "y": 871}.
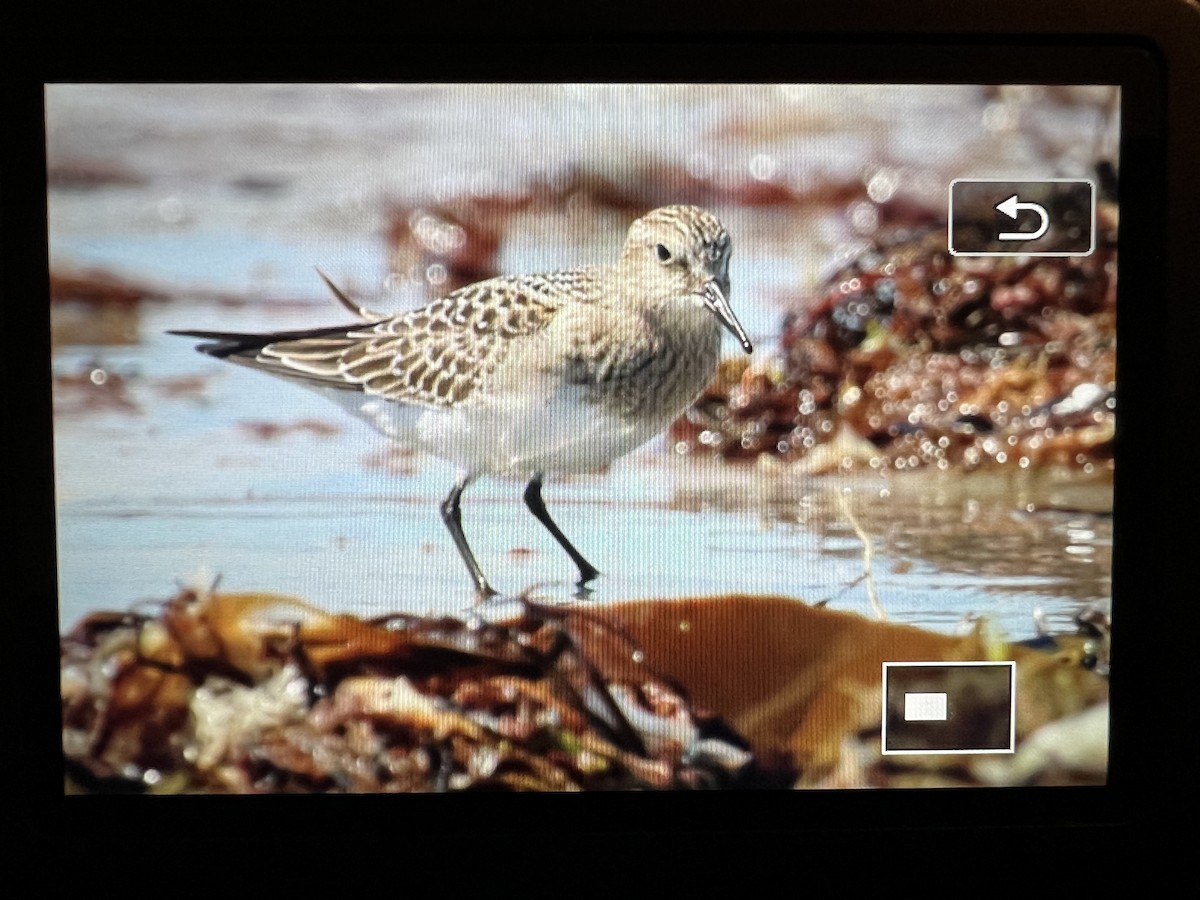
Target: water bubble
{"x": 864, "y": 217}
{"x": 999, "y": 117}
{"x": 883, "y": 185}
{"x": 762, "y": 167}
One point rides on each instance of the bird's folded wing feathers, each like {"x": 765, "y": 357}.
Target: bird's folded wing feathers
{"x": 434, "y": 356}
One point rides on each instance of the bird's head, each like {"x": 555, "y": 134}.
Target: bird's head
{"x": 681, "y": 253}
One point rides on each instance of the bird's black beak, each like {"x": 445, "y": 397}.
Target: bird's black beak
{"x": 715, "y": 300}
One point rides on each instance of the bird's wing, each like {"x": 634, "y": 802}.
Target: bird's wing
{"x": 435, "y": 355}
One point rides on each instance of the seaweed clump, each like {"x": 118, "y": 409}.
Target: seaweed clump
{"x": 909, "y": 357}
{"x": 251, "y": 693}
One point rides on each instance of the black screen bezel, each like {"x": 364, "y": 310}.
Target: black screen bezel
{"x": 1141, "y": 58}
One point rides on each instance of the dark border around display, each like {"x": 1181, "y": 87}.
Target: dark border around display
{"x": 1148, "y": 586}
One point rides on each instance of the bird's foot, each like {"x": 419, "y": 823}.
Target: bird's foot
{"x": 587, "y": 574}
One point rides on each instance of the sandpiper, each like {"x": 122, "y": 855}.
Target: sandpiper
{"x": 528, "y": 376}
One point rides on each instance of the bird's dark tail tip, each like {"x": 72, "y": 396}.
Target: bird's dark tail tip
{"x": 222, "y": 344}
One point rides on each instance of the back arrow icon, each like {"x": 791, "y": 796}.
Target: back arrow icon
{"x": 1011, "y": 207}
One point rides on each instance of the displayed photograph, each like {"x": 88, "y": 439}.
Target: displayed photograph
{"x": 561, "y": 437}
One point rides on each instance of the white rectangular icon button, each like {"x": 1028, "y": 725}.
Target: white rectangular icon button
{"x": 942, "y": 706}
{"x": 994, "y": 217}
{"x": 924, "y": 707}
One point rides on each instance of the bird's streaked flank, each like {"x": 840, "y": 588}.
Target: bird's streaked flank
{"x": 528, "y": 376}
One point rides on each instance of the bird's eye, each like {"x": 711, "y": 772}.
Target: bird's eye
{"x": 663, "y": 253}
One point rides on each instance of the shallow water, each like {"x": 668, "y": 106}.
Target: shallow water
{"x": 208, "y": 470}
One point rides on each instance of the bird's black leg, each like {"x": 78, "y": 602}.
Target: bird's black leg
{"x": 533, "y": 499}
{"x": 452, "y": 516}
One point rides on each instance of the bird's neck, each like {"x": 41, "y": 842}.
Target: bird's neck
{"x": 682, "y": 320}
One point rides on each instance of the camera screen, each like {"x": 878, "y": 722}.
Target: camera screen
{"x": 583, "y": 436}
